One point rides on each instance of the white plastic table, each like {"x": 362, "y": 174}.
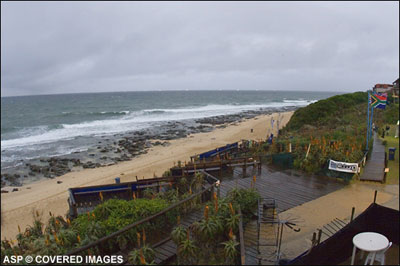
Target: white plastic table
{"x": 370, "y": 242}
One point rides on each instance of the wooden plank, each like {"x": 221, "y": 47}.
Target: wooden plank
{"x": 338, "y": 226}
{"x": 160, "y": 255}
{"x": 374, "y": 169}
{"x": 332, "y": 228}
{"x": 340, "y": 221}
{"x": 170, "y": 248}
{"x": 165, "y": 252}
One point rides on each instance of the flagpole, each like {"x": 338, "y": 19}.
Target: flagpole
{"x": 366, "y": 147}
{"x": 372, "y": 117}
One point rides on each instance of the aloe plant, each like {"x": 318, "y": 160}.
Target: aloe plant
{"x": 144, "y": 255}
{"x": 233, "y": 222}
{"x": 188, "y": 249}
{"x": 206, "y": 230}
{"x": 178, "y": 234}
{"x": 230, "y": 250}
{"x": 198, "y": 181}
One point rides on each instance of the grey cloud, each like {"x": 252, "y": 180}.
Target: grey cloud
{"x": 58, "y": 47}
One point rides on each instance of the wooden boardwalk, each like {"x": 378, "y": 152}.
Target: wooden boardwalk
{"x": 288, "y": 190}
{"x": 375, "y": 166}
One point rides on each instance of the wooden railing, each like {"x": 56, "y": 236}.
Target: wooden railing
{"x": 241, "y": 240}
{"x": 216, "y": 165}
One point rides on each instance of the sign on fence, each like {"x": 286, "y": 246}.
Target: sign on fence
{"x": 343, "y": 167}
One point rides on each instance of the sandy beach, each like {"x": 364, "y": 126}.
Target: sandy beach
{"x": 47, "y": 195}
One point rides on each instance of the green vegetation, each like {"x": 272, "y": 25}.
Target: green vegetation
{"x": 333, "y": 128}
{"x": 211, "y": 240}
{"x": 214, "y": 240}
{"x": 392, "y": 177}
{"x": 329, "y": 113}
{"x": 61, "y": 235}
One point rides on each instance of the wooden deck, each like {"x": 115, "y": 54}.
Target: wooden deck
{"x": 288, "y": 190}
{"x": 375, "y": 166}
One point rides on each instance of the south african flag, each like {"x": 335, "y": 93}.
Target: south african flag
{"x": 378, "y": 101}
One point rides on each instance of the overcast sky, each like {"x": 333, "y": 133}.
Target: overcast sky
{"x": 69, "y": 47}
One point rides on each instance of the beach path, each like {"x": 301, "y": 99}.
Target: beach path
{"x": 375, "y": 166}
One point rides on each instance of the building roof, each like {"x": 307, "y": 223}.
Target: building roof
{"x": 383, "y": 85}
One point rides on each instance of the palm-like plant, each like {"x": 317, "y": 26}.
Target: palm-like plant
{"x": 142, "y": 256}
{"x": 218, "y": 221}
{"x": 187, "y": 249}
{"x": 198, "y": 181}
{"x": 230, "y": 250}
{"x": 233, "y": 222}
{"x": 178, "y": 234}
{"x": 206, "y": 230}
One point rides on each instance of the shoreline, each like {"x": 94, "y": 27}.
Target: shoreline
{"x": 106, "y": 150}
{"x": 51, "y": 194}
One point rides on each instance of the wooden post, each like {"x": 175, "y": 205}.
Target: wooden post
{"x": 376, "y": 192}
{"x": 319, "y": 236}
{"x": 220, "y": 168}
{"x": 244, "y": 167}
{"x": 352, "y": 214}
{"x": 241, "y": 240}
{"x": 308, "y": 150}
{"x": 314, "y": 238}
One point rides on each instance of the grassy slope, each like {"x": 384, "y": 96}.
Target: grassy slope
{"x": 340, "y": 118}
{"x": 329, "y": 113}
{"x": 393, "y": 176}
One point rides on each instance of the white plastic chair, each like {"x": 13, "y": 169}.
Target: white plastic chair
{"x": 380, "y": 256}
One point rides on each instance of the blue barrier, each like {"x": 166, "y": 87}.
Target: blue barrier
{"x": 218, "y": 150}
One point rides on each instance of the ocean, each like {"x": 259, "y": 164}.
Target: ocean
{"x": 45, "y": 126}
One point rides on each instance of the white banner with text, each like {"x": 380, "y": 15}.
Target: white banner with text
{"x": 343, "y": 167}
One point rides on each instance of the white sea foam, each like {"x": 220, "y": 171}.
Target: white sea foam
{"x": 134, "y": 121}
